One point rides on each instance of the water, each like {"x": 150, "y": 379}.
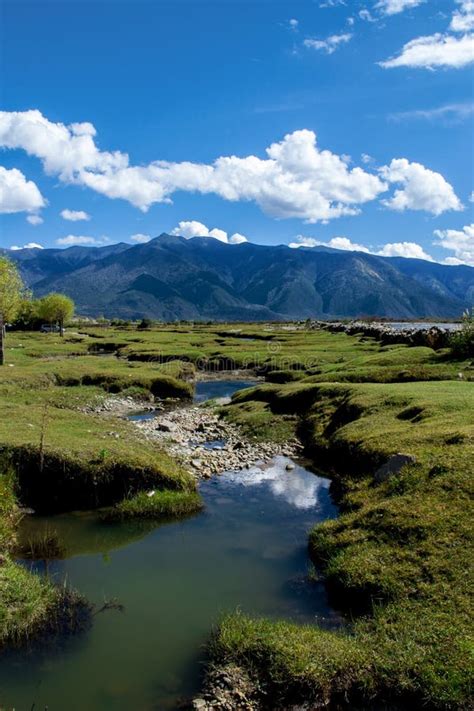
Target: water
{"x": 214, "y": 389}
{"x": 421, "y": 325}
{"x": 247, "y": 550}
{"x": 204, "y": 390}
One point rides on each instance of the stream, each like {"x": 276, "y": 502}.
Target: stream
{"x": 247, "y": 550}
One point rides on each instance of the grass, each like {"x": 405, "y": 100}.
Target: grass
{"x": 30, "y": 606}
{"x": 156, "y": 505}
{"x": 58, "y": 455}
{"x": 398, "y": 558}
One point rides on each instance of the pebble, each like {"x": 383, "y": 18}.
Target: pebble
{"x": 194, "y": 426}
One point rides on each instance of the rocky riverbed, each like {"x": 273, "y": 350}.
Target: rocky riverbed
{"x": 207, "y": 444}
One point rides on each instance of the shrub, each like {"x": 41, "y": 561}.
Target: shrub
{"x": 462, "y": 341}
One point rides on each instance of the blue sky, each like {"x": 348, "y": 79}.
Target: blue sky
{"x": 375, "y": 100}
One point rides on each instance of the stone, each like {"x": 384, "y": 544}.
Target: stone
{"x": 165, "y": 426}
{"x": 393, "y": 466}
{"x": 289, "y": 467}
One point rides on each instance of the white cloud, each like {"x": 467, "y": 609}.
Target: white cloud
{"x": 463, "y": 19}
{"x": 471, "y": 197}
{"x": 140, "y": 238}
{"x": 192, "y": 228}
{"x": 293, "y": 23}
{"x": 366, "y": 159}
{"x": 422, "y": 189}
{"x": 34, "y": 220}
{"x": 366, "y": 16}
{"x": 237, "y": 238}
{"x": 411, "y": 250}
{"x": 435, "y": 51}
{"x": 74, "y": 215}
{"x": 441, "y": 49}
{"x": 450, "y": 112}
{"x": 394, "y": 249}
{"x": 330, "y": 44}
{"x": 393, "y": 7}
{"x": 71, "y": 240}
{"x": 29, "y": 245}
{"x": 17, "y": 194}
{"x": 461, "y": 242}
{"x": 343, "y": 243}
{"x": 296, "y": 179}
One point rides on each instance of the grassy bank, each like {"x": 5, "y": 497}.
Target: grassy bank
{"x": 30, "y": 606}
{"x": 156, "y": 505}
{"x": 397, "y": 558}
{"x": 62, "y": 456}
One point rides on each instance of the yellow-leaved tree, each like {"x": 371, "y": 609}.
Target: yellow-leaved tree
{"x": 56, "y": 308}
{"x": 11, "y": 294}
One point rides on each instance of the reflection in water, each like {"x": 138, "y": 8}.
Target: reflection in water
{"x": 298, "y": 487}
{"x": 247, "y": 550}
{"x": 213, "y": 389}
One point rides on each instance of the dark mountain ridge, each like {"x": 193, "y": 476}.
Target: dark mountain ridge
{"x": 173, "y": 278}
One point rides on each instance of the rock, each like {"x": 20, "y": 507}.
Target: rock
{"x": 165, "y": 426}
{"x": 393, "y": 466}
{"x": 289, "y": 467}
{"x": 196, "y": 463}
{"x": 199, "y": 704}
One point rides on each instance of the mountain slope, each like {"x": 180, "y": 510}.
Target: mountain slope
{"x": 173, "y": 278}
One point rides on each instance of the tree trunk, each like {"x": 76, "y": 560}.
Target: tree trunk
{"x": 61, "y": 328}
{"x": 2, "y": 341}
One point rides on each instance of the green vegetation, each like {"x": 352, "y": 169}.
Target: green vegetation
{"x": 155, "y": 505}
{"x": 62, "y": 455}
{"x": 56, "y": 308}
{"x": 11, "y": 291}
{"x": 398, "y": 557}
{"x": 462, "y": 341}
{"x": 29, "y": 605}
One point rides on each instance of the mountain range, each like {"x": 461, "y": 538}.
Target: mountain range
{"x": 173, "y": 278}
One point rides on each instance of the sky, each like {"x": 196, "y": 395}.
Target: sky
{"x": 308, "y": 122}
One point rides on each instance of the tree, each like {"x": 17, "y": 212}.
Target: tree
{"x": 27, "y": 317}
{"x": 11, "y": 293}
{"x": 56, "y": 308}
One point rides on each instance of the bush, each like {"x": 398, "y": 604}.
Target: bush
{"x": 462, "y": 341}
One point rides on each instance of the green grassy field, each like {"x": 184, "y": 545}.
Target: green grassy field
{"x": 398, "y": 558}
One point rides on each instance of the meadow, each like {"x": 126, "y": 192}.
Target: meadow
{"x": 396, "y": 561}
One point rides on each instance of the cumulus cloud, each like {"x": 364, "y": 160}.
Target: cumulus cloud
{"x": 74, "y": 215}
{"x": 140, "y": 238}
{"x": 330, "y": 44}
{"x": 394, "y": 249}
{"x": 454, "y": 48}
{"x": 410, "y": 250}
{"x": 463, "y": 19}
{"x": 296, "y": 179}
{"x": 393, "y": 7}
{"x": 17, "y": 194}
{"x": 192, "y": 228}
{"x": 436, "y": 50}
{"x": 293, "y": 24}
{"x": 29, "y": 245}
{"x": 34, "y": 220}
{"x": 422, "y": 189}
{"x": 461, "y": 242}
{"x": 343, "y": 243}
{"x": 72, "y": 240}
